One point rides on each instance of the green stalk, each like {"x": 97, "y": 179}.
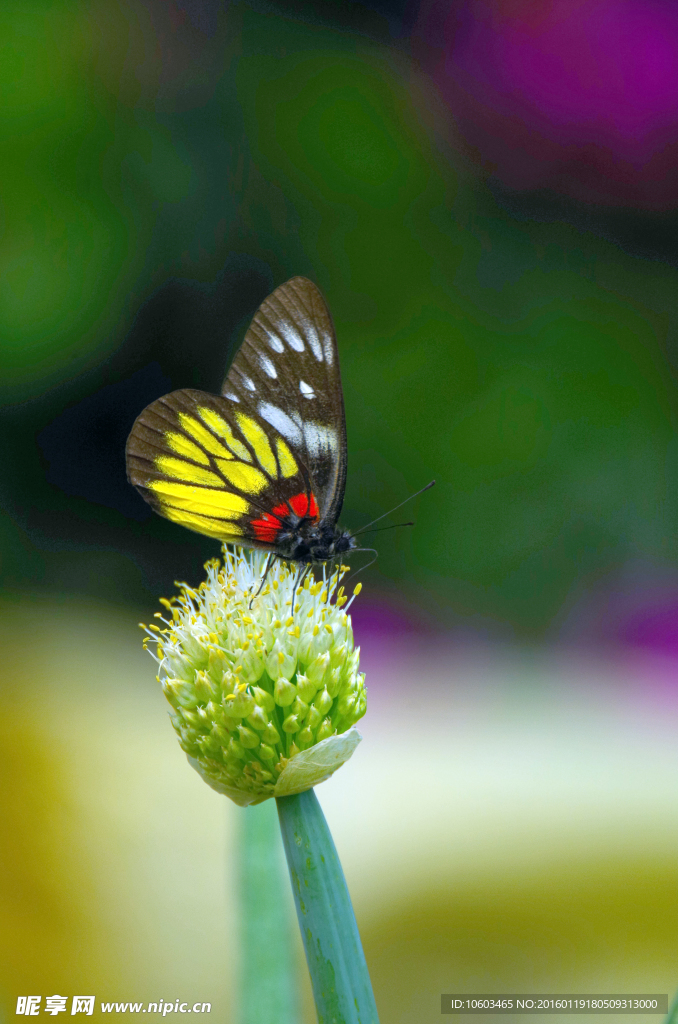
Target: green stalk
{"x": 336, "y": 963}
{"x": 672, "y": 1017}
{"x": 267, "y": 968}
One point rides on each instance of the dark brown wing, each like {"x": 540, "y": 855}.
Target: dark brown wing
{"x": 286, "y": 375}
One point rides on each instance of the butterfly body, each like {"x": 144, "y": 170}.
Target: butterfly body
{"x": 263, "y": 464}
{"x": 303, "y": 540}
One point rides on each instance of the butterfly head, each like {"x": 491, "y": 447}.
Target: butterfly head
{"x": 302, "y": 539}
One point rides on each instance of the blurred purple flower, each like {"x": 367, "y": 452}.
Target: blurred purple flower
{"x": 580, "y": 96}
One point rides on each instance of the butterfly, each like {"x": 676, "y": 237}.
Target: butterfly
{"x": 263, "y": 464}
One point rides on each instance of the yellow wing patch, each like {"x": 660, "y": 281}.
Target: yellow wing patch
{"x": 187, "y": 472}
{"x": 288, "y": 466}
{"x": 259, "y": 441}
{"x": 182, "y": 446}
{"x": 203, "y": 436}
{"x": 200, "y": 500}
{"x": 219, "y": 425}
{"x": 245, "y": 478}
{"x": 222, "y": 529}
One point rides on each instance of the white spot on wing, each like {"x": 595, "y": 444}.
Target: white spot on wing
{"x": 248, "y": 383}
{"x": 329, "y": 351}
{"x": 320, "y": 439}
{"x": 316, "y": 347}
{"x": 231, "y": 396}
{"x": 268, "y": 366}
{"x": 283, "y": 423}
{"x": 291, "y": 337}
{"x": 275, "y": 343}
{"x": 306, "y": 389}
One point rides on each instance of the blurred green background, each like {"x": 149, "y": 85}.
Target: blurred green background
{"x": 165, "y": 165}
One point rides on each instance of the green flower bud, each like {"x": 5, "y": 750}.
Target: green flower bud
{"x": 305, "y": 688}
{"x": 300, "y": 708}
{"x": 317, "y": 668}
{"x": 220, "y": 735}
{"x": 281, "y": 662}
{"x": 216, "y": 663}
{"x": 178, "y": 665}
{"x": 271, "y": 734}
{"x": 241, "y": 704}
{"x": 206, "y": 745}
{"x": 333, "y": 681}
{"x": 322, "y": 701}
{"x": 346, "y": 704}
{"x": 233, "y": 652}
{"x": 248, "y": 738}
{"x": 250, "y": 665}
{"x": 313, "y": 718}
{"x": 338, "y": 655}
{"x": 258, "y": 719}
{"x": 235, "y": 749}
{"x": 179, "y": 694}
{"x": 326, "y": 729}
{"x": 291, "y": 723}
{"x": 284, "y": 692}
{"x": 263, "y": 698}
{"x": 306, "y": 736}
{"x": 204, "y": 687}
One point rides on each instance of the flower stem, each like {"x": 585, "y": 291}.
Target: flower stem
{"x": 267, "y": 970}
{"x": 336, "y": 963}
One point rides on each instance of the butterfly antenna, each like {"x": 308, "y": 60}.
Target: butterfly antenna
{"x": 396, "y": 507}
{"x": 368, "y": 564}
{"x": 391, "y": 526}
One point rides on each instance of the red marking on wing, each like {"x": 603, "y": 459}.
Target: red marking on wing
{"x": 268, "y": 527}
{"x": 301, "y": 505}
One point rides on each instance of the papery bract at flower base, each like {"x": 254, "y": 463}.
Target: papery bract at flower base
{"x": 264, "y": 695}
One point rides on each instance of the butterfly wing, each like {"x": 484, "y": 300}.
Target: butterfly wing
{"x": 209, "y": 466}
{"x": 233, "y": 466}
{"x": 286, "y": 374}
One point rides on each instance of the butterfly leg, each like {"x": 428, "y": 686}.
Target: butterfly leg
{"x": 271, "y": 559}
{"x": 301, "y": 576}
{"x": 333, "y": 567}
